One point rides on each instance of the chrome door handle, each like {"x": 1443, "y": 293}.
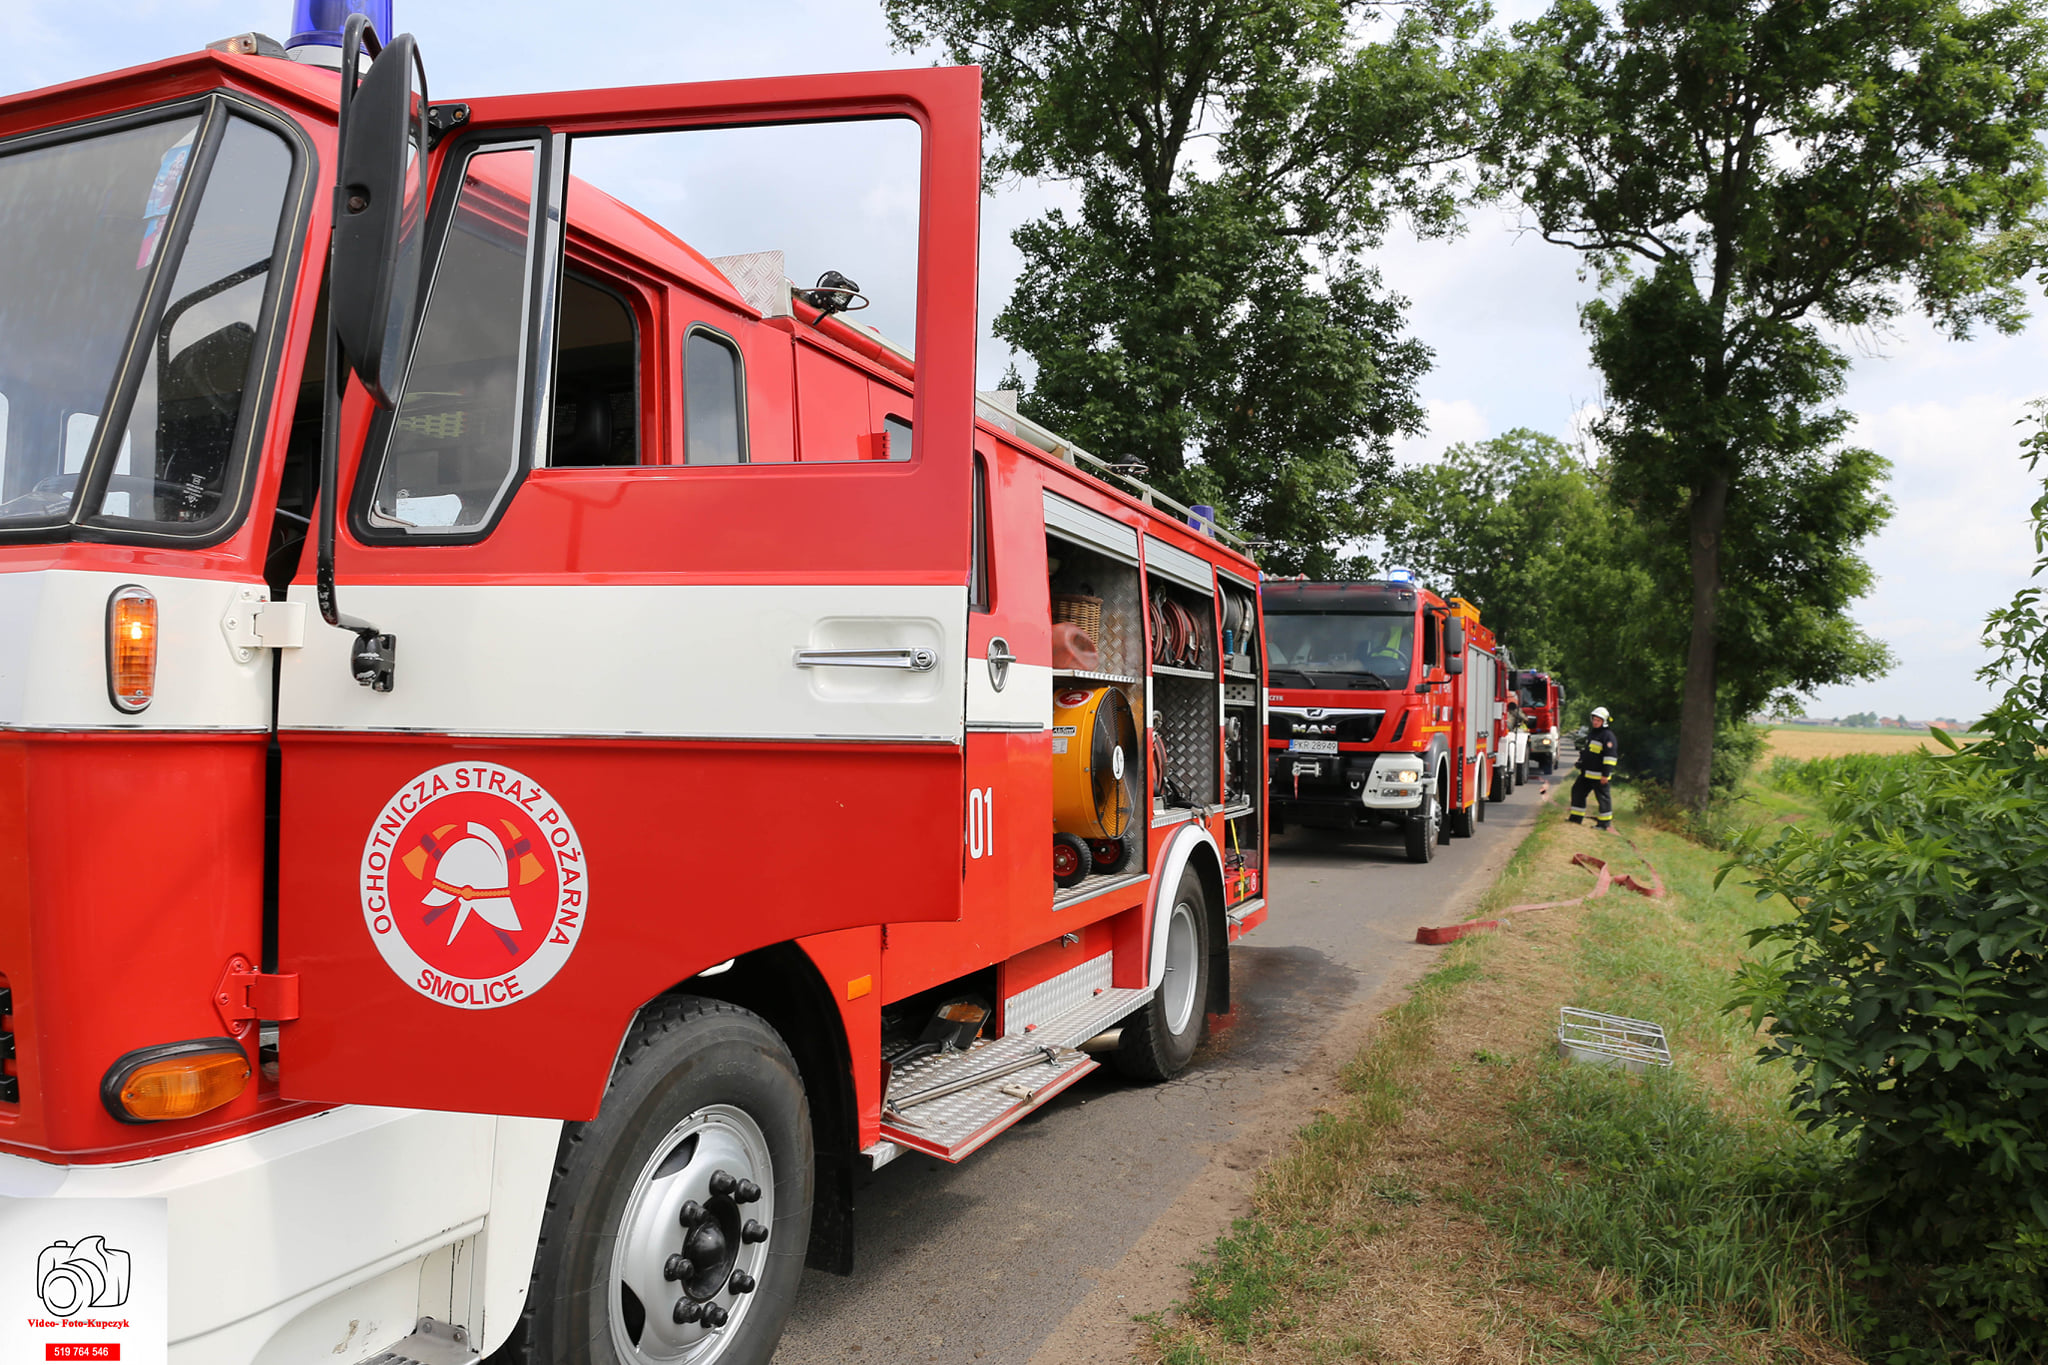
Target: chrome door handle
{"x": 999, "y": 660}
{"x": 919, "y": 660}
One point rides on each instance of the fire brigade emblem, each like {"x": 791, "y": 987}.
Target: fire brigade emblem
{"x": 473, "y": 885}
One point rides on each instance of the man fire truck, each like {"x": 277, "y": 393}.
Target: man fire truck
{"x": 1383, "y": 709}
{"x": 1542, "y": 699}
{"x": 519, "y": 778}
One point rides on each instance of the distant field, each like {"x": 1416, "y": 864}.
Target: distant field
{"x": 1799, "y": 741}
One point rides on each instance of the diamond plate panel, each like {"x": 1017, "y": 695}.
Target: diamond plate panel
{"x": 954, "y": 1125}
{"x": 1187, "y": 726}
{"x": 1047, "y": 1000}
{"x": 760, "y": 278}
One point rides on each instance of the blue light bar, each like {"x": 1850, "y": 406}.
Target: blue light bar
{"x": 1400, "y": 576}
{"x": 318, "y": 23}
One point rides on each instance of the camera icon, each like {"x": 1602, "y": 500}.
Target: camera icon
{"x": 73, "y": 1276}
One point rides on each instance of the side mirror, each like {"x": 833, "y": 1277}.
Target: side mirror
{"x": 1454, "y": 646}
{"x": 1456, "y": 663}
{"x": 373, "y": 283}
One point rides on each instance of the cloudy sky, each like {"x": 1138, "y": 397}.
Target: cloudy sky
{"x": 1499, "y": 307}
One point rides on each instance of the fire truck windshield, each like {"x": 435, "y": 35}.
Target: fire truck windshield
{"x": 1340, "y": 649}
{"x": 91, "y": 227}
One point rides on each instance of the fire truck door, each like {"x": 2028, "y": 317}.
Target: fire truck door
{"x": 643, "y": 720}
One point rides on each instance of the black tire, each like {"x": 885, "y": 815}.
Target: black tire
{"x": 1479, "y": 810}
{"x": 1156, "y": 1046}
{"x": 1070, "y": 851}
{"x": 1109, "y": 855}
{"x": 1549, "y": 762}
{"x": 1460, "y": 824}
{"x": 1444, "y": 813}
{"x": 1499, "y": 783}
{"x": 1421, "y": 830}
{"x": 686, "y": 1058}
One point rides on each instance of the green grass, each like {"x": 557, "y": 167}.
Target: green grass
{"x": 1248, "y": 1288}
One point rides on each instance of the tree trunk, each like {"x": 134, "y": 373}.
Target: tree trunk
{"x": 1695, "y": 773}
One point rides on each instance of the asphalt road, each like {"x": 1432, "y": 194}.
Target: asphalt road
{"x": 983, "y": 1260}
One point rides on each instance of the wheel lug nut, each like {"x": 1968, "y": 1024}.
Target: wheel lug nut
{"x": 688, "y": 1310}
{"x": 678, "y": 1268}
{"x": 692, "y": 1213}
{"x": 752, "y": 1231}
{"x": 741, "y": 1282}
{"x": 714, "y": 1316}
{"x": 746, "y": 1192}
{"x": 722, "y": 1182}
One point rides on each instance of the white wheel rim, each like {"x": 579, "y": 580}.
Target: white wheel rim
{"x": 1183, "y": 968}
{"x": 715, "y": 1138}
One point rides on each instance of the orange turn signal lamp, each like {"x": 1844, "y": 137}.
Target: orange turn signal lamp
{"x": 131, "y": 647}
{"x": 175, "y": 1080}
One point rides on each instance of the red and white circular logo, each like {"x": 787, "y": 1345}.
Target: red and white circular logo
{"x": 474, "y": 886}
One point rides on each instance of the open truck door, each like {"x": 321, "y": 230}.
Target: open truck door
{"x": 567, "y": 733}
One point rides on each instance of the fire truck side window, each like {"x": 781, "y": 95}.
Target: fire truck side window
{"x": 978, "y": 595}
{"x": 597, "y": 379}
{"x": 453, "y": 448}
{"x": 714, "y": 400}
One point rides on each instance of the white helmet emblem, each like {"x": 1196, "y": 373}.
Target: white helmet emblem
{"x": 473, "y": 875}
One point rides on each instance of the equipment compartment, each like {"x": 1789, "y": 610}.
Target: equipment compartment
{"x": 1183, "y": 660}
{"x": 1100, "y": 594}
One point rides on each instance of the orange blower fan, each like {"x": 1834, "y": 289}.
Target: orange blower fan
{"x": 1095, "y": 762}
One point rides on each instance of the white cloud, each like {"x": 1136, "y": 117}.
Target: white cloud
{"x": 1451, "y": 421}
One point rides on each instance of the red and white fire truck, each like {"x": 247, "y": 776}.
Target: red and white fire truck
{"x": 530, "y": 758}
{"x": 1542, "y": 700}
{"x": 1384, "y": 709}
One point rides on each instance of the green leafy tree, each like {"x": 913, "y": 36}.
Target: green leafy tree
{"x": 1565, "y": 570}
{"x": 1523, "y": 527}
{"x": 1742, "y": 172}
{"x": 1207, "y": 310}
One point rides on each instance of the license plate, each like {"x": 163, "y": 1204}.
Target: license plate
{"x": 1312, "y": 746}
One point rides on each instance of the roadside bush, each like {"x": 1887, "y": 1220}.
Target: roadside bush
{"x": 1910, "y": 997}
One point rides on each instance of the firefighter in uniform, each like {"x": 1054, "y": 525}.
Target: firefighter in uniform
{"x": 1596, "y": 770}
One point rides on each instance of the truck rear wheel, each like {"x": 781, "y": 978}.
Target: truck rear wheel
{"x": 1461, "y": 825}
{"x": 1422, "y": 830}
{"x": 678, "y": 1219}
{"x": 1159, "y": 1040}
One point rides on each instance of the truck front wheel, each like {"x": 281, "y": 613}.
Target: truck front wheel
{"x": 678, "y": 1219}
{"x": 1159, "y": 1040}
{"x": 1421, "y": 831}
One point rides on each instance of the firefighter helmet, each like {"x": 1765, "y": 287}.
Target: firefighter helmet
{"x": 1600, "y": 713}
{"x": 474, "y": 874}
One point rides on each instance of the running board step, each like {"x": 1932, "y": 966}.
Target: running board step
{"x": 953, "y": 1125}
{"x": 431, "y": 1343}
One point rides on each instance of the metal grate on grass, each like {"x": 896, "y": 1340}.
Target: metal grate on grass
{"x": 1610, "y": 1040}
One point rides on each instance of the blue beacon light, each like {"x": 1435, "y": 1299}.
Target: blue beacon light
{"x": 317, "y": 24}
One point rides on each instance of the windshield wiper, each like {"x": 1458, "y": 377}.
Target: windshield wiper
{"x": 1348, "y": 680}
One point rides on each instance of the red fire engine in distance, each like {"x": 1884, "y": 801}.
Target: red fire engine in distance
{"x": 1382, "y": 710}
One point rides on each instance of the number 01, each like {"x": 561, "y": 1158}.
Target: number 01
{"x": 981, "y": 817}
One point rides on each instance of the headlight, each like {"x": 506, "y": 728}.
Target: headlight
{"x": 1405, "y": 775}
